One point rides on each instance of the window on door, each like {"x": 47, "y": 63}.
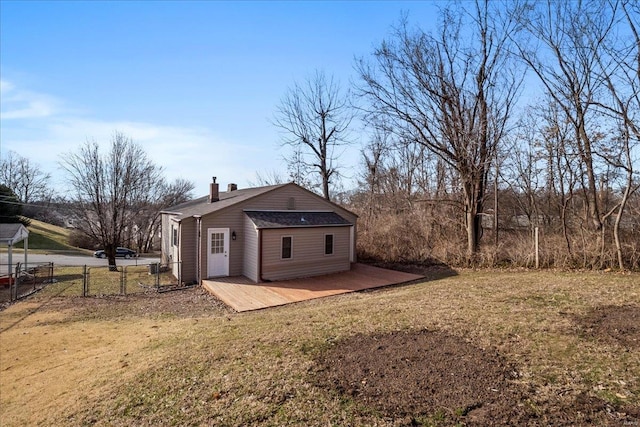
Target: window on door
{"x": 217, "y": 243}
{"x": 287, "y": 247}
{"x": 328, "y": 244}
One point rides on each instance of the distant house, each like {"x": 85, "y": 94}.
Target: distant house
{"x": 264, "y": 233}
{"x": 10, "y": 235}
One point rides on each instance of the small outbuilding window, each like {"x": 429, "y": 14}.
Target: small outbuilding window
{"x": 174, "y": 236}
{"x": 287, "y": 247}
{"x": 328, "y": 244}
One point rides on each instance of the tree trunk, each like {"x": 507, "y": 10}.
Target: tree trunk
{"x": 110, "y": 251}
{"x": 616, "y": 225}
{"x": 473, "y": 206}
{"x": 325, "y": 186}
{"x": 471, "y": 235}
{"x": 592, "y": 198}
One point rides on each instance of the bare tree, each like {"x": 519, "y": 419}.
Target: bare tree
{"x": 526, "y": 170}
{"x": 314, "y": 117}
{"x": 25, "y": 178}
{"x": 271, "y": 177}
{"x": 619, "y": 68}
{"x": 374, "y": 155}
{"x": 568, "y": 35}
{"x": 562, "y": 164}
{"x": 452, "y": 92}
{"x": 160, "y": 194}
{"x": 592, "y": 74}
{"x": 106, "y": 188}
{"x": 299, "y": 170}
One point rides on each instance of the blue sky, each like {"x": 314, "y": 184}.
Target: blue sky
{"x": 195, "y": 83}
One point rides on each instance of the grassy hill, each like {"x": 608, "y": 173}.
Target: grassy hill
{"x": 45, "y": 237}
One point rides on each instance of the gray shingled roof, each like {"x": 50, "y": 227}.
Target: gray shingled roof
{"x": 284, "y": 219}
{"x": 12, "y": 233}
{"x": 201, "y": 205}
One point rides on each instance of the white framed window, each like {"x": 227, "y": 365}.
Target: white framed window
{"x": 286, "y": 251}
{"x": 217, "y": 243}
{"x": 328, "y": 244}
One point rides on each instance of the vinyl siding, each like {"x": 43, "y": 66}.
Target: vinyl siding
{"x": 304, "y": 200}
{"x": 165, "y": 247}
{"x": 250, "y": 264}
{"x": 170, "y": 254}
{"x": 188, "y": 249}
{"x": 308, "y": 257}
{"x": 233, "y": 218}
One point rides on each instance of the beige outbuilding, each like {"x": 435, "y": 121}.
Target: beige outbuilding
{"x": 265, "y": 234}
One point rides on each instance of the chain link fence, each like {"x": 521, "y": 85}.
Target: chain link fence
{"x": 23, "y": 279}
{"x": 90, "y": 280}
{"x": 129, "y": 279}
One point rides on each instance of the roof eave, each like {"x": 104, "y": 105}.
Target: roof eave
{"x": 302, "y": 226}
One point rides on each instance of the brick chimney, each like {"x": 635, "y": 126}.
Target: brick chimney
{"x": 214, "y": 192}
{"x": 232, "y": 187}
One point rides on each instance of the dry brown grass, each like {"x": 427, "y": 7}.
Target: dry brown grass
{"x": 136, "y": 361}
{"x": 419, "y": 236}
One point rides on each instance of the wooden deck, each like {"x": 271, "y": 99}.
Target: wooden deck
{"x": 243, "y": 295}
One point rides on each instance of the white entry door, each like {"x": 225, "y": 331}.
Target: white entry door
{"x": 218, "y": 252}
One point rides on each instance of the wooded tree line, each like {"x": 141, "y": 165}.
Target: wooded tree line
{"x": 505, "y": 117}
{"x": 453, "y": 143}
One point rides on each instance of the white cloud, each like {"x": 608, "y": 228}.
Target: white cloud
{"x": 193, "y": 153}
{"x": 17, "y": 103}
{"x": 5, "y": 86}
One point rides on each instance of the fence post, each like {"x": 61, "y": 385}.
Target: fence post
{"x": 85, "y": 282}
{"x": 36, "y": 273}
{"x": 158, "y": 275}
{"x": 123, "y": 275}
{"x": 13, "y": 283}
{"x": 537, "y": 243}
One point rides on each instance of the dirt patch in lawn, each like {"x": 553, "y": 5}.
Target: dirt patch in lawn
{"x": 612, "y": 324}
{"x": 430, "y": 377}
{"x": 184, "y": 303}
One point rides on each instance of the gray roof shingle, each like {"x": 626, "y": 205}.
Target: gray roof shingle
{"x": 12, "y": 233}
{"x": 201, "y": 205}
{"x": 285, "y": 219}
